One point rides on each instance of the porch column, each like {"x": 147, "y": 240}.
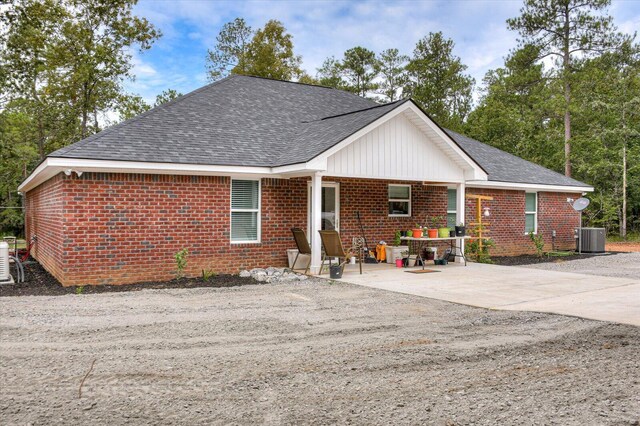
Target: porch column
{"x": 316, "y": 222}
{"x": 460, "y": 200}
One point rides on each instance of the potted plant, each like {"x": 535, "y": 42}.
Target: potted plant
{"x": 409, "y": 233}
{"x": 417, "y": 231}
{"x": 433, "y": 229}
{"x": 460, "y": 230}
{"x": 394, "y": 251}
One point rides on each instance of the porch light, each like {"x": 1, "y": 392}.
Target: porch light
{"x": 487, "y": 213}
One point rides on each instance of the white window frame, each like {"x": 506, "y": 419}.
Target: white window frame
{"x": 402, "y": 200}
{"x": 534, "y": 213}
{"x": 258, "y": 211}
{"x": 455, "y": 211}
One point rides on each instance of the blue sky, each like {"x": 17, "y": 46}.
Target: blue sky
{"x": 324, "y": 28}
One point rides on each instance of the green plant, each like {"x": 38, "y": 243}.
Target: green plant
{"x": 538, "y": 242}
{"x": 80, "y": 289}
{"x": 181, "y": 262}
{"x": 396, "y": 239}
{"x": 480, "y": 255}
{"x": 435, "y": 221}
{"x": 409, "y": 233}
{"x": 207, "y": 274}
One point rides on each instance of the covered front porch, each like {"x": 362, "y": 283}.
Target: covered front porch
{"x": 377, "y": 209}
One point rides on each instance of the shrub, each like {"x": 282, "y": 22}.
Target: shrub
{"x": 181, "y": 262}
{"x": 538, "y": 243}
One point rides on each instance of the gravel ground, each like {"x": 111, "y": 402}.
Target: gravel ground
{"x": 623, "y": 265}
{"x": 307, "y": 353}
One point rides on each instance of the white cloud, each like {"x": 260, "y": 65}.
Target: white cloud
{"x": 324, "y": 28}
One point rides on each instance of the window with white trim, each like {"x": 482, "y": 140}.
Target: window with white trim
{"x": 452, "y": 204}
{"x": 530, "y": 212}
{"x": 399, "y": 200}
{"x": 245, "y": 211}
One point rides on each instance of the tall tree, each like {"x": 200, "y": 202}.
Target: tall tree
{"x": 231, "y": 50}
{"x": 330, "y": 73}
{"x": 62, "y": 66}
{"x": 392, "y": 67}
{"x": 607, "y": 116}
{"x": 270, "y": 53}
{"x": 513, "y": 113}
{"x": 436, "y": 80}
{"x": 267, "y": 52}
{"x": 359, "y": 68}
{"x": 565, "y": 29}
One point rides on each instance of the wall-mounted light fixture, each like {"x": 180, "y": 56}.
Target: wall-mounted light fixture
{"x": 487, "y": 213}
{"x": 69, "y": 171}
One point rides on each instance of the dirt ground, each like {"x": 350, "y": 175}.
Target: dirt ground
{"x": 307, "y": 353}
{"x": 623, "y": 246}
{"x": 39, "y": 282}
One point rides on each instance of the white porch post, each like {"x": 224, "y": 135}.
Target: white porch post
{"x": 460, "y": 200}
{"x": 316, "y": 222}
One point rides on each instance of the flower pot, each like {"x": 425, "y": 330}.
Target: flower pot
{"x": 452, "y": 232}
{"x": 443, "y": 232}
{"x": 399, "y": 262}
{"x": 429, "y": 253}
{"x": 403, "y": 233}
{"x": 433, "y": 233}
{"x": 409, "y": 233}
{"x": 417, "y": 233}
{"x": 335, "y": 271}
{"x": 460, "y": 231}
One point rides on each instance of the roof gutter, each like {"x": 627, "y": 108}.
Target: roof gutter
{"x": 537, "y": 187}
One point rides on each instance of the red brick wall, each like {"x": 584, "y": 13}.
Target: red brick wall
{"x": 124, "y": 228}
{"x": 44, "y": 219}
{"x": 507, "y": 220}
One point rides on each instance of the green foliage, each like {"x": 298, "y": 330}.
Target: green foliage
{"x": 396, "y": 239}
{"x": 230, "y": 55}
{"x": 208, "y": 274}
{"x": 436, "y": 80}
{"x": 359, "y": 68}
{"x": 181, "y": 262}
{"x": 538, "y": 243}
{"x": 80, "y": 289}
{"x": 62, "y": 65}
{"x": 392, "y": 70}
{"x": 166, "y": 96}
{"x": 480, "y": 255}
{"x": 569, "y": 31}
{"x": 267, "y": 52}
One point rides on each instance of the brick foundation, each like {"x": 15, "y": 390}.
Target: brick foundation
{"x": 125, "y": 228}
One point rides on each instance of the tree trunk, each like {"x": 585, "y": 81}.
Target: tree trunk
{"x": 566, "y": 64}
{"x": 623, "y": 225}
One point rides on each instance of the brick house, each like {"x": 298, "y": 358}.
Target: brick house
{"x": 226, "y": 171}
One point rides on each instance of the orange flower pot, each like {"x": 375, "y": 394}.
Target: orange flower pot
{"x": 433, "y": 233}
{"x": 417, "y": 233}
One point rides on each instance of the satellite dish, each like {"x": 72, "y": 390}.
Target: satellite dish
{"x": 581, "y": 204}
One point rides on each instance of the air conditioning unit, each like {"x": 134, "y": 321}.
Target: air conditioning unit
{"x": 5, "y": 276}
{"x": 590, "y": 240}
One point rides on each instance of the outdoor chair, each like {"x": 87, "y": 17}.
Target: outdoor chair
{"x": 303, "y": 246}
{"x": 333, "y": 248}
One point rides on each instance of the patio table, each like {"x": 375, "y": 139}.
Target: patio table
{"x": 455, "y": 243}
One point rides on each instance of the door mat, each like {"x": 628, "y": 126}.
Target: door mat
{"x": 422, "y": 271}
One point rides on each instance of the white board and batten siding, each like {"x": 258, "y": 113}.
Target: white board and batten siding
{"x": 396, "y": 149}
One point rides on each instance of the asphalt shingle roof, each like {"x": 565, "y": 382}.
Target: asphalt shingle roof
{"x": 251, "y": 121}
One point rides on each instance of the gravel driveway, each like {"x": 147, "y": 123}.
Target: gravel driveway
{"x": 306, "y": 353}
{"x": 622, "y": 265}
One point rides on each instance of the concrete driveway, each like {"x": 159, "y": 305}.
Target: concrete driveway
{"x": 513, "y": 288}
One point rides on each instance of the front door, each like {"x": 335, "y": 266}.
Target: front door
{"x": 330, "y": 207}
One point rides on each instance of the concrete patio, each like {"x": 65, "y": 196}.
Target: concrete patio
{"x": 511, "y": 288}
